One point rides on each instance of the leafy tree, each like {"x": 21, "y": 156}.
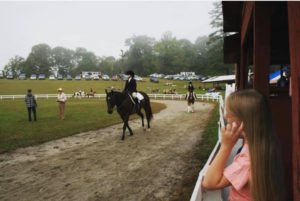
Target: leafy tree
{"x": 214, "y": 54}
{"x": 39, "y": 60}
{"x": 168, "y": 54}
{"x": 201, "y": 48}
{"x": 63, "y": 59}
{"x": 85, "y": 61}
{"x": 15, "y": 66}
{"x": 140, "y": 55}
{"x": 107, "y": 65}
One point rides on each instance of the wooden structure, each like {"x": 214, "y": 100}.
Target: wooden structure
{"x": 262, "y": 34}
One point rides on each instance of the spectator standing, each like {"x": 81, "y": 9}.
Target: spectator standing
{"x": 31, "y": 105}
{"x": 61, "y": 99}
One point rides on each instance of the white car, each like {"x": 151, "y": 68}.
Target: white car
{"x": 105, "y": 77}
{"x": 51, "y": 77}
{"x": 96, "y": 77}
{"x": 138, "y": 78}
{"x": 33, "y": 77}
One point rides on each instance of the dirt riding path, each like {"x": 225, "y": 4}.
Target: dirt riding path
{"x": 96, "y": 165}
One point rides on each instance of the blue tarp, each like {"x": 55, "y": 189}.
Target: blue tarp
{"x": 274, "y": 75}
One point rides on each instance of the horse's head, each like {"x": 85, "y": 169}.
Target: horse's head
{"x": 110, "y": 101}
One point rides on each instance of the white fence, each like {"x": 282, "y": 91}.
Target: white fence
{"x": 200, "y": 97}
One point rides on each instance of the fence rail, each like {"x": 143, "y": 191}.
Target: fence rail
{"x": 201, "y": 97}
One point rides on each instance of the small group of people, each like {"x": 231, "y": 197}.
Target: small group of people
{"x": 31, "y": 104}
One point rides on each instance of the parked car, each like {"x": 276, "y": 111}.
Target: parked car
{"x": 42, "y": 76}
{"x": 51, "y": 77}
{"x": 138, "y": 78}
{"x": 154, "y": 79}
{"x": 33, "y": 77}
{"x": 10, "y": 77}
{"x": 96, "y": 77}
{"x": 87, "y": 77}
{"x": 69, "y": 77}
{"x": 105, "y": 77}
{"x": 115, "y": 78}
{"x": 124, "y": 77}
{"x": 22, "y": 76}
{"x": 77, "y": 77}
{"x": 60, "y": 77}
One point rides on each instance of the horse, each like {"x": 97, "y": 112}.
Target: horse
{"x": 190, "y": 97}
{"x": 126, "y": 107}
{"x": 91, "y": 93}
{"x": 78, "y": 94}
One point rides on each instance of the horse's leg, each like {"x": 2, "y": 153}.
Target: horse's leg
{"x": 130, "y": 131}
{"x": 142, "y": 116}
{"x": 148, "y": 122}
{"x": 124, "y": 129}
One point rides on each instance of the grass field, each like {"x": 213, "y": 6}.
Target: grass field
{"x": 12, "y": 87}
{"x": 81, "y": 115}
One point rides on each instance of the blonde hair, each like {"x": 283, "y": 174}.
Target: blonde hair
{"x": 252, "y": 109}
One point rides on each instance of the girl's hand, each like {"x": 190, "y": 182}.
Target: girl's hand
{"x": 231, "y": 133}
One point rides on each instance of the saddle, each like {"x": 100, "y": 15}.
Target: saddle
{"x": 136, "y": 95}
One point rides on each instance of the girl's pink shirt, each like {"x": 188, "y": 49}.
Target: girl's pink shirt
{"x": 238, "y": 174}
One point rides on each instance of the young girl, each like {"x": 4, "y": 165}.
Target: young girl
{"x": 255, "y": 173}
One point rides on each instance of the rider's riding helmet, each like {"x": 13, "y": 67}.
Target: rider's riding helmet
{"x": 130, "y": 72}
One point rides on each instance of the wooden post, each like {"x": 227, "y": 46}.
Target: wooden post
{"x": 262, "y": 46}
{"x": 294, "y": 42}
{"x": 243, "y": 81}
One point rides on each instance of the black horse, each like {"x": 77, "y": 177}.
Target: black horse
{"x": 126, "y": 107}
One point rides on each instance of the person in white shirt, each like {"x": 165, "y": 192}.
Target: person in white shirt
{"x": 61, "y": 99}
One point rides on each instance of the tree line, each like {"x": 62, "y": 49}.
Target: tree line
{"x": 145, "y": 55}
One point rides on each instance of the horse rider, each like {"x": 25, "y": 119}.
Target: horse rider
{"x": 190, "y": 97}
{"x": 130, "y": 88}
{"x": 190, "y": 86}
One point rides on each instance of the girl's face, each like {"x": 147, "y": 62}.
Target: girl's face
{"x": 230, "y": 118}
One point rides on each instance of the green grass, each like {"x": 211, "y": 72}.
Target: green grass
{"x": 209, "y": 137}
{"x": 12, "y": 87}
{"x": 81, "y": 115}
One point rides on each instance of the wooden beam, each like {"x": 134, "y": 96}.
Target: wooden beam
{"x": 231, "y": 48}
{"x": 262, "y": 46}
{"x": 243, "y": 72}
{"x": 294, "y": 41}
{"x": 246, "y": 19}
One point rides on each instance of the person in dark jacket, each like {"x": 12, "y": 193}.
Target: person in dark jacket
{"x": 190, "y": 86}
{"x": 31, "y": 105}
{"x": 130, "y": 87}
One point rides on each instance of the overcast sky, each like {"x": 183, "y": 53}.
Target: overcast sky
{"x": 100, "y": 27}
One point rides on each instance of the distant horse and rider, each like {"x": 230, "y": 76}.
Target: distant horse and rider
{"x": 90, "y": 93}
{"x": 79, "y": 94}
{"x": 129, "y": 102}
{"x": 82, "y": 94}
{"x": 190, "y": 97}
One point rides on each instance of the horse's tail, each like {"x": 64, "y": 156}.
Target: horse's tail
{"x": 147, "y": 106}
